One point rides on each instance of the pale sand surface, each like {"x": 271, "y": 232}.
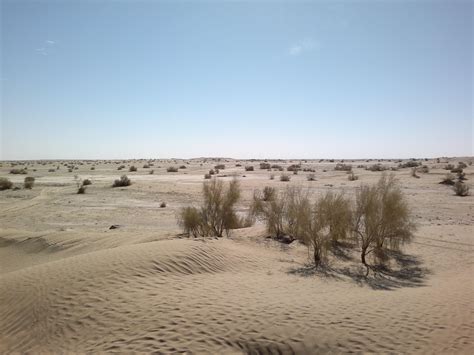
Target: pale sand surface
{"x": 69, "y": 284}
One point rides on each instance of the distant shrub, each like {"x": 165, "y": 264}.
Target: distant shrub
{"x": 249, "y": 168}
{"x": 152, "y": 172}
{"x": 86, "y": 182}
{"x": 51, "y": 170}
{"x": 92, "y": 167}
{"x": 409, "y": 164}
{"x": 462, "y": 165}
{"x": 457, "y": 170}
{"x": 29, "y": 182}
{"x": 5, "y": 184}
{"x": 284, "y": 177}
{"x": 294, "y": 167}
{"x": 81, "y": 189}
{"x": 132, "y": 168}
{"x": 413, "y": 173}
{"x": 172, "y": 169}
{"x": 461, "y": 176}
{"x": 163, "y": 205}
{"x": 424, "y": 169}
{"x": 123, "y": 181}
{"x": 311, "y": 177}
{"x": 352, "y": 177}
{"x": 265, "y": 166}
{"x": 272, "y": 177}
{"x": 121, "y": 167}
{"x": 207, "y": 176}
{"x": 376, "y": 167}
{"x": 238, "y": 165}
{"x": 343, "y": 167}
{"x": 211, "y": 172}
{"x": 277, "y": 167}
{"x": 182, "y": 167}
{"x": 448, "y": 179}
{"x": 449, "y": 167}
{"x": 146, "y": 166}
{"x": 219, "y": 167}
{"x": 461, "y": 189}
{"x": 21, "y": 171}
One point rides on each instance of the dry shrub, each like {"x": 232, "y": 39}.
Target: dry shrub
{"x": 294, "y": 167}
{"x": 311, "y": 177}
{"x": 409, "y": 164}
{"x": 284, "y": 177}
{"x": 352, "y": 176}
{"x": 5, "y": 184}
{"x": 461, "y": 189}
{"x": 448, "y": 179}
{"x": 265, "y": 166}
{"x": 183, "y": 167}
{"x": 163, "y": 205}
{"x": 29, "y": 182}
{"x": 123, "y": 181}
{"x": 343, "y": 167}
{"x": 86, "y": 182}
{"x": 249, "y": 168}
{"x": 376, "y": 167}
{"x": 413, "y": 173}
{"x": 219, "y": 167}
{"x": 132, "y": 168}
{"x": 216, "y": 215}
{"x": 207, "y": 176}
{"x": 172, "y": 169}
{"x": 21, "y": 171}
{"x": 382, "y": 218}
{"x": 268, "y": 193}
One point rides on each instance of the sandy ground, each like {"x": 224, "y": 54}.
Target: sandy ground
{"x": 68, "y": 283}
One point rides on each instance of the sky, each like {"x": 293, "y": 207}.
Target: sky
{"x": 257, "y": 79}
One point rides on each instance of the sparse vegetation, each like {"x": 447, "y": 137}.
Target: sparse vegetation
{"x": 163, "y": 205}
{"x": 172, "y": 169}
{"x": 448, "y": 179}
{"x": 21, "y": 171}
{"x": 219, "y": 167}
{"x": 5, "y": 184}
{"x": 285, "y": 177}
{"x": 352, "y": 176}
{"x": 132, "y": 168}
{"x": 265, "y": 166}
{"x": 123, "y": 181}
{"x": 461, "y": 189}
{"x": 311, "y": 177}
{"x": 86, "y": 182}
{"x": 29, "y": 182}
{"x": 249, "y": 168}
{"x": 343, "y": 167}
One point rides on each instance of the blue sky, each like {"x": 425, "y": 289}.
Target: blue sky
{"x": 140, "y": 79}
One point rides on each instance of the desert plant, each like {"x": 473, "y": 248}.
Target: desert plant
{"x": 461, "y": 189}
{"x": 409, "y": 164}
{"x": 29, "y": 182}
{"x": 172, "y": 169}
{"x": 207, "y": 176}
{"x": 462, "y": 165}
{"x": 5, "y": 184}
{"x": 272, "y": 177}
{"x": 449, "y": 167}
{"x": 217, "y": 215}
{"x": 413, "y": 173}
{"x": 123, "y": 181}
{"x": 268, "y": 193}
{"x": 265, "y": 166}
{"x": 249, "y": 168}
{"x": 81, "y": 189}
{"x": 311, "y": 177}
{"x": 382, "y": 218}
{"x": 86, "y": 182}
{"x": 294, "y": 167}
{"x": 212, "y": 172}
{"x": 424, "y": 169}
{"x": 352, "y": 176}
{"x": 132, "y": 168}
{"x": 21, "y": 171}
{"x": 272, "y": 212}
{"x": 92, "y": 167}
{"x": 146, "y": 166}
{"x": 151, "y": 172}
{"x": 219, "y": 167}
{"x": 448, "y": 179}
{"x": 163, "y": 205}
{"x": 121, "y": 167}
{"x": 343, "y": 167}
{"x": 284, "y": 177}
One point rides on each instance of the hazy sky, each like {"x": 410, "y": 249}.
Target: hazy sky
{"x": 288, "y": 79}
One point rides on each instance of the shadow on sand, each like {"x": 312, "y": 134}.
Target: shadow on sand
{"x": 407, "y": 273}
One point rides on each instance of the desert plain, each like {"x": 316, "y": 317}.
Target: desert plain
{"x": 71, "y": 284}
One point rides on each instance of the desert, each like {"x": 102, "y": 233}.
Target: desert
{"x": 70, "y": 283}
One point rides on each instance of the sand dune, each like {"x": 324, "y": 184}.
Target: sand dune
{"x": 89, "y": 289}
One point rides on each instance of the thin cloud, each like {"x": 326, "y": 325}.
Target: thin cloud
{"x": 303, "y": 46}
{"x": 44, "y": 50}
